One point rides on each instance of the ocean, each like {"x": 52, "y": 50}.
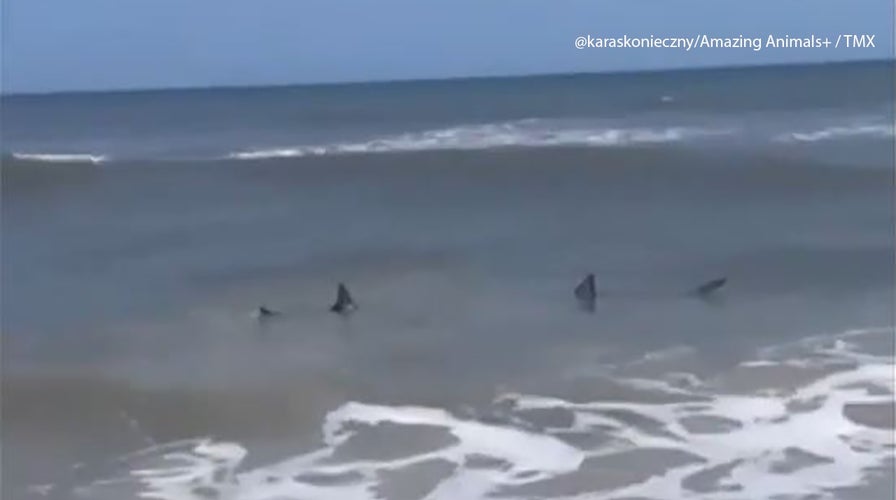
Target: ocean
{"x": 141, "y": 229}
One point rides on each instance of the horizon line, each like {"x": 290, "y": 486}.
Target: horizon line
{"x": 341, "y": 83}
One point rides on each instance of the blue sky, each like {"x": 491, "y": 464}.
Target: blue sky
{"x": 51, "y": 45}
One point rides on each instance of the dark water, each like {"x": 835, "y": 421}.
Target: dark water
{"x": 461, "y": 215}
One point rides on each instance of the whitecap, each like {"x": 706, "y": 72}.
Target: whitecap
{"x": 839, "y": 132}
{"x": 522, "y": 133}
{"x": 60, "y": 157}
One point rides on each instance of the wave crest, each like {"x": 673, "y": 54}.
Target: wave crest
{"x": 524, "y": 133}
{"x": 60, "y": 157}
{"x": 872, "y": 131}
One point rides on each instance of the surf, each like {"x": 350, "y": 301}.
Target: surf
{"x": 710, "y": 438}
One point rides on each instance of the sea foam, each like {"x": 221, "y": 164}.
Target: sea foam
{"x": 713, "y": 441}
{"x": 60, "y": 157}
{"x": 522, "y": 133}
{"x": 840, "y": 132}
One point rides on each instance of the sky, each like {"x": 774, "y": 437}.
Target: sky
{"x": 57, "y": 45}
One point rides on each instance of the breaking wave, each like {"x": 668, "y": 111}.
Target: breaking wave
{"x": 60, "y": 157}
{"x": 529, "y": 133}
{"x": 868, "y": 130}
{"x": 802, "y": 420}
{"x": 524, "y": 133}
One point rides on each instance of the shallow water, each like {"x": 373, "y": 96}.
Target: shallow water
{"x": 468, "y": 371}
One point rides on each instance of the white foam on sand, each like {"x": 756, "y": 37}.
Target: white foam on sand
{"x": 787, "y": 443}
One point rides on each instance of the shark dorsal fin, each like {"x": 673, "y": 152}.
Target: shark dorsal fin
{"x": 586, "y": 291}
{"x": 263, "y": 311}
{"x": 344, "y": 302}
{"x": 710, "y": 286}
